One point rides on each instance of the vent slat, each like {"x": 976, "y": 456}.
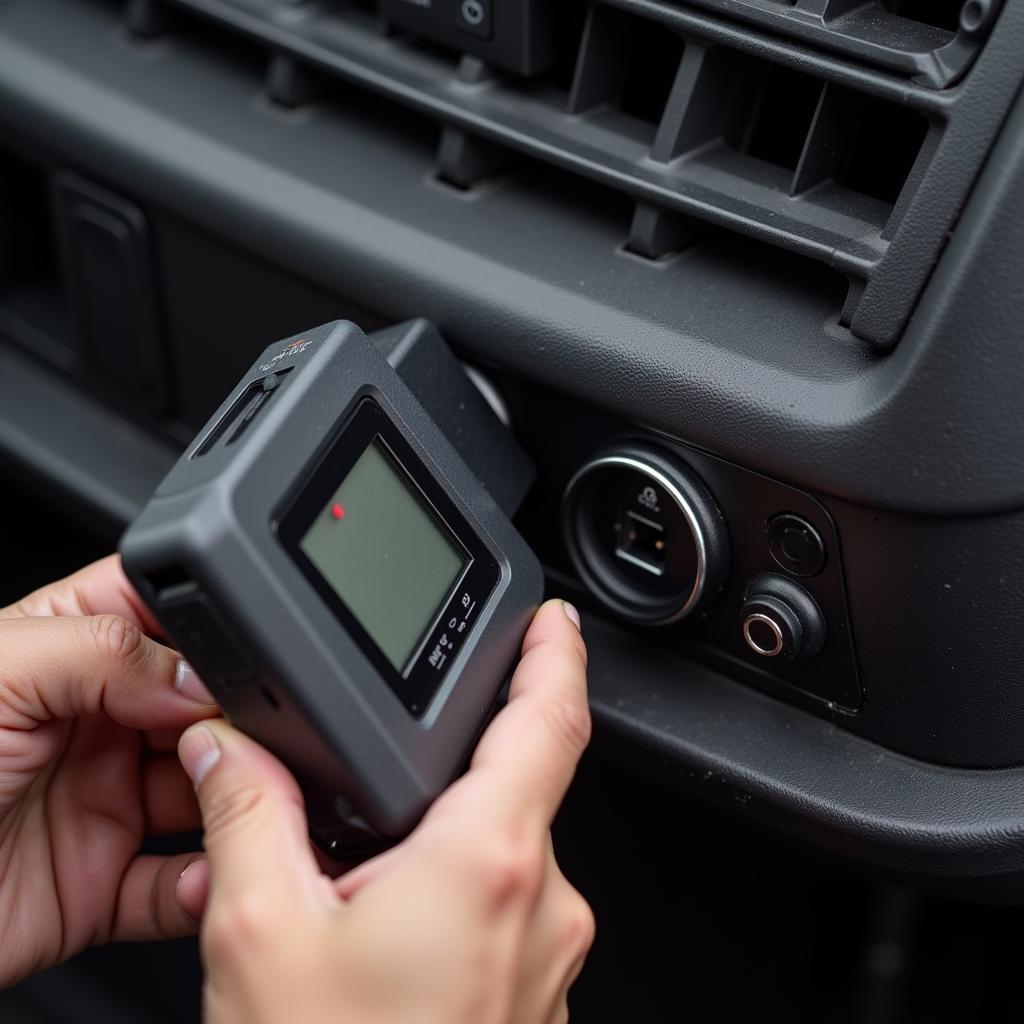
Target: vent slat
{"x": 693, "y": 121}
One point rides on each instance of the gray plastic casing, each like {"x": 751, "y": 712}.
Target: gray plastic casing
{"x": 208, "y": 534}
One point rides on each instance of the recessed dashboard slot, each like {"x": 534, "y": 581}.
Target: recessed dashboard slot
{"x": 33, "y": 306}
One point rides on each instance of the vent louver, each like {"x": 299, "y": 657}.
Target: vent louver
{"x": 932, "y": 41}
{"x": 697, "y": 119}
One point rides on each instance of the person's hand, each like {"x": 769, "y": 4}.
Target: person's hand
{"x": 468, "y": 921}
{"x": 90, "y": 713}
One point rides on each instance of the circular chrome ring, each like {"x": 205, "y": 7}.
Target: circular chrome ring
{"x": 773, "y": 626}
{"x": 680, "y": 499}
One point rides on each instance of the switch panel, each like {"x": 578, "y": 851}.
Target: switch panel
{"x": 515, "y": 35}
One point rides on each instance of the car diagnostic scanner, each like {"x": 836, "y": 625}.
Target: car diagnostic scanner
{"x": 347, "y": 586}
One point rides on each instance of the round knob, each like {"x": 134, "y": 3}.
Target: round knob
{"x": 779, "y": 619}
{"x": 644, "y": 534}
{"x": 795, "y": 545}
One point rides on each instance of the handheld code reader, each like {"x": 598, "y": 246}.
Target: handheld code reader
{"x": 347, "y": 587}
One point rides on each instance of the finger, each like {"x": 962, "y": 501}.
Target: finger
{"x": 97, "y": 589}
{"x": 194, "y": 888}
{"x": 168, "y": 799}
{"x": 256, "y": 835}
{"x": 147, "y": 903}
{"x": 527, "y": 757}
{"x": 69, "y": 666}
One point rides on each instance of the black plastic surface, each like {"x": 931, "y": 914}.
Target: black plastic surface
{"x": 426, "y": 363}
{"x": 93, "y": 462}
{"x": 784, "y": 769}
{"x": 935, "y": 47}
{"x": 107, "y": 263}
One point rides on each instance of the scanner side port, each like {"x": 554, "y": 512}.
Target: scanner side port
{"x": 250, "y": 402}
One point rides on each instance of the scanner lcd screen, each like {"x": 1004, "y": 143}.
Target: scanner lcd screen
{"x": 385, "y": 553}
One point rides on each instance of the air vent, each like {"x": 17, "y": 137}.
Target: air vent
{"x": 933, "y": 42}
{"x": 698, "y": 123}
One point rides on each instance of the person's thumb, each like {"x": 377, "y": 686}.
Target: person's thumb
{"x": 255, "y": 831}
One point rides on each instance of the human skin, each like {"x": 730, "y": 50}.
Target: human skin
{"x": 90, "y": 710}
{"x": 469, "y": 919}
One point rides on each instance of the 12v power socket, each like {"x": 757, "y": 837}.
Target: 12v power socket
{"x": 645, "y": 534}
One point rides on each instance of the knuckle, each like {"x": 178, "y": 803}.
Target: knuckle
{"x": 216, "y": 937}
{"x": 578, "y": 924}
{"x": 232, "y": 930}
{"x": 509, "y": 868}
{"x": 115, "y": 638}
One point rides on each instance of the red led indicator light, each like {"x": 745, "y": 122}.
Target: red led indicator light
{"x": 338, "y": 510}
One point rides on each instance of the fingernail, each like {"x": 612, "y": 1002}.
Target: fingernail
{"x": 191, "y": 886}
{"x": 572, "y": 615}
{"x": 199, "y": 752}
{"x": 190, "y": 686}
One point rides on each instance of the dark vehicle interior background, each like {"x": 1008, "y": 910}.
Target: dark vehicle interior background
{"x": 776, "y": 243}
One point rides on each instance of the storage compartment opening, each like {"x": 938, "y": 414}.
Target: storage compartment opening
{"x": 33, "y": 307}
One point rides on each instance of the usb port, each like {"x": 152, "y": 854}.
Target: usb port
{"x": 641, "y": 542}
